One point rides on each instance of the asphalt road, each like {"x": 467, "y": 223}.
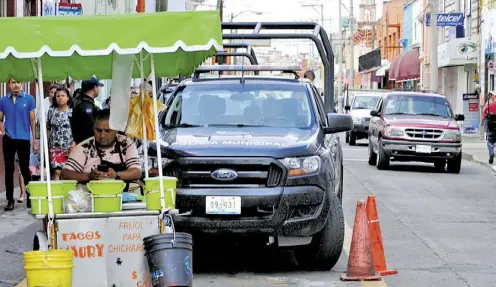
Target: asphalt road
{"x": 438, "y": 230}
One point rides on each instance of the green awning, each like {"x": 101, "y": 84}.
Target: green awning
{"x": 83, "y": 46}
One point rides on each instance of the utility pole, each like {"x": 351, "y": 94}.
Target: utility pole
{"x": 433, "y": 50}
{"x": 352, "y": 48}
{"x": 340, "y": 59}
{"x": 220, "y": 7}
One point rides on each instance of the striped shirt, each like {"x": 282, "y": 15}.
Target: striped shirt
{"x": 84, "y": 157}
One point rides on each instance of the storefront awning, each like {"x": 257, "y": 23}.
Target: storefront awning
{"x": 405, "y": 67}
{"x": 393, "y": 69}
{"x": 382, "y": 71}
{"x": 409, "y": 67}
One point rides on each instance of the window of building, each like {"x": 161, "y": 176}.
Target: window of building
{"x": 395, "y": 44}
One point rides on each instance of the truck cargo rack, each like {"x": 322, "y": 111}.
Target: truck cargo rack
{"x": 246, "y": 68}
{"x": 249, "y": 50}
{"x": 317, "y": 35}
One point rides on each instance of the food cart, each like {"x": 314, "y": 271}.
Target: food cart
{"x": 107, "y": 246}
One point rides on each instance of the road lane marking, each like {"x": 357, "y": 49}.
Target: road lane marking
{"x": 346, "y": 247}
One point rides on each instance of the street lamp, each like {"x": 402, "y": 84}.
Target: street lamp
{"x": 238, "y": 14}
{"x": 245, "y": 11}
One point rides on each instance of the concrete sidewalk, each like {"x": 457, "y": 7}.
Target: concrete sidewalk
{"x": 12, "y": 221}
{"x": 475, "y": 150}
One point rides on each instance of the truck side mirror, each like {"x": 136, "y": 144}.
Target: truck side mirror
{"x": 374, "y": 113}
{"x": 459, "y": 117}
{"x": 346, "y": 108}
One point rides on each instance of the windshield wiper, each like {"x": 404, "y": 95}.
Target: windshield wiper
{"x": 360, "y": 108}
{"x": 429, "y": 114}
{"x": 185, "y": 125}
{"x": 235, "y": 125}
{"x": 400, "y": 114}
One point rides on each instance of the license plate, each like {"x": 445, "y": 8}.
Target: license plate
{"x": 223, "y": 205}
{"x": 423, "y": 149}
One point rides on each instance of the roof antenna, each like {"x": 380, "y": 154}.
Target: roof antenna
{"x": 242, "y": 80}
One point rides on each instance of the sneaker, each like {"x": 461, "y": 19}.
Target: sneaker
{"x": 491, "y": 159}
{"x": 20, "y": 200}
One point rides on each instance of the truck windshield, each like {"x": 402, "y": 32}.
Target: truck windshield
{"x": 235, "y": 104}
{"x": 417, "y": 105}
{"x": 365, "y": 102}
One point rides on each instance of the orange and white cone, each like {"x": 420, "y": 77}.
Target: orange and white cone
{"x": 360, "y": 261}
{"x": 376, "y": 238}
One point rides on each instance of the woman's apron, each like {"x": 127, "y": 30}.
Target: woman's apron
{"x": 117, "y": 167}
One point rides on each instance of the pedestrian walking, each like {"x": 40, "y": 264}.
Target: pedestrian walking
{"x": 83, "y": 110}
{"x": 18, "y": 127}
{"x": 60, "y": 141}
{"x": 489, "y": 116}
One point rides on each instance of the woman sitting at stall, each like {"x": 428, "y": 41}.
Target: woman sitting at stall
{"x": 106, "y": 155}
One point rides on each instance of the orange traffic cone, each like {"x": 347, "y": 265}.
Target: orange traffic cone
{"x": 360, "y": 262}
{"x": 376, "y": 238}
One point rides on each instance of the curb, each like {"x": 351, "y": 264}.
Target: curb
{"x": 475, "y": 159}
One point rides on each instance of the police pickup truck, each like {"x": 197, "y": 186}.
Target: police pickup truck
{"x": 257, "y": 155}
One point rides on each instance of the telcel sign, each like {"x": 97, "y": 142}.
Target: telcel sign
{"x": 446, "y": 19}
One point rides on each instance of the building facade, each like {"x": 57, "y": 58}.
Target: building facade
{"x": 388, "y": 32}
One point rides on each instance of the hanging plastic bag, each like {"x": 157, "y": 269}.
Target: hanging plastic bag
{"x": 79, "y": 200}
{"x": 135, "y": 118}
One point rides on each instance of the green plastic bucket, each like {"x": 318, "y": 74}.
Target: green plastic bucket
{"x": 38, "y": 191}
{"x": 152, "y": 192}
{"x": 106, "y": 194}
{"x": 68, "y": 185}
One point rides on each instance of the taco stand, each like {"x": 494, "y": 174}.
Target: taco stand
{"x": 107, "y": 246}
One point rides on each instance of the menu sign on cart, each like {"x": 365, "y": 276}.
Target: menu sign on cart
{"x": 110, "y": 249}
{"x": 472, "y": 114}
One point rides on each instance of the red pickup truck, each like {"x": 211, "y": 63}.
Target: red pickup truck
{"x": 414, "y": 126}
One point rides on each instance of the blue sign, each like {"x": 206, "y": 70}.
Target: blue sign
{"x": 446, "y": 19}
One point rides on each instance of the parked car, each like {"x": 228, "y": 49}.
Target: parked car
{"x": 257, "y": 155}
{"x": 359, "y": 110}
{"x": 413, "y": 126}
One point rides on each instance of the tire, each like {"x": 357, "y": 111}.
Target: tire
{"x": 372, "y": 154}
{"x": 340, "y": 188}
{"x": 382, "y": 161}
{"x": 455, "y": 164}
{"x": 326, "y": 246}
{"x": 347, "y": 137}
{"x": 40, "y": 241}
{"x": 352, "y": 139}
{"x": 439, "y": 165}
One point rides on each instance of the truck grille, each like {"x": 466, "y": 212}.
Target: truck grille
{"x": 424, "y": 133}
{"x": 197, "y": 174}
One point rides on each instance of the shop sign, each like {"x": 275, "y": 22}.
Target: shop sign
{"x": 471, "y": 112}
{"x": 458, "y": 52}
{"x": 370, "y": 60}
{"x": 446, "y": 19}
{"x": 70, "y": 9}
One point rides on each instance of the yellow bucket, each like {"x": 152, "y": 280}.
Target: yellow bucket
{"x": 48, "y": 268}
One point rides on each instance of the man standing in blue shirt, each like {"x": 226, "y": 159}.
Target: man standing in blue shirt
{"x": 18, "y": 127}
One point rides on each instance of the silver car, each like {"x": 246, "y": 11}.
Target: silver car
{"x": 359, "y": 109}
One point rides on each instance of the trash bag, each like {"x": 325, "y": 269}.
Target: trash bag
{"x": 135, "y": 117}
{"x": 79, "y": 200}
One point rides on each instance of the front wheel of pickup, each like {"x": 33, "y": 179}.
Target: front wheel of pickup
{"x": 382, "y": 161}
{"x": 455, "y": 164}
{"x": 326, "y": 246}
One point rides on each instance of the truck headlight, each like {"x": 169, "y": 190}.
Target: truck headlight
{"x": 153, "y": 162}
{"x": 393, "y": 132}
{"x": 302, "y": 165}
{"x": 453, "y": 135}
